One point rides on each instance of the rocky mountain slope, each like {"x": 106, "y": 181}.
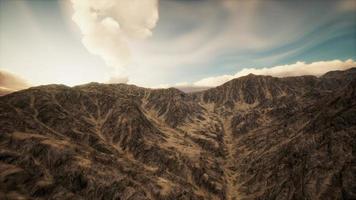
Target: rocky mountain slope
{"x": 255, "y": 137}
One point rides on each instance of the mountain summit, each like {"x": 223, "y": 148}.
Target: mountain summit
{"x": 255, "y": 137}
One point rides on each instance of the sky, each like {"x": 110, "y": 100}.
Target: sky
{"x": 151, "y": 43}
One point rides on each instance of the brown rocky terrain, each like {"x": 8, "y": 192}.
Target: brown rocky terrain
{"x": 255, "y": 137}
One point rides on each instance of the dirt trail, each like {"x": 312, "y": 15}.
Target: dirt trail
{"x": 229, "y": 162}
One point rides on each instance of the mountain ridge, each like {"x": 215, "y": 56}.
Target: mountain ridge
{"x": 330, "y": 74}
{"x": 254, "y": 137}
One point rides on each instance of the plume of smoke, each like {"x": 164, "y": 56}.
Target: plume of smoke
{"x": 107, "y": 26}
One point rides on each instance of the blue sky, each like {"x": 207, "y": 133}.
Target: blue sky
{"x": 191, "y": 40}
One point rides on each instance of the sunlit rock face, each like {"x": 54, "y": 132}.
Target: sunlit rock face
{"x": 255, "y": 137}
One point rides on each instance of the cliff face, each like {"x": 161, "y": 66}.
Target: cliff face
{"x": 255, "y": 137}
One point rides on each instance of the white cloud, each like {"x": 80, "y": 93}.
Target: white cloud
{"x": 214, "y": 81}
{"x": 107, "y": 26}
{"x": 10, "y": 82}
{"x": 297, "y": 69}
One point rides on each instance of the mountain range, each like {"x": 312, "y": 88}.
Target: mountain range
{"x": 254, "y": 137}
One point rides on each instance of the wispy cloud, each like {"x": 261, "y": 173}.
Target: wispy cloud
{"x": 207, "y": 35}
{"x": 193, "y": 39}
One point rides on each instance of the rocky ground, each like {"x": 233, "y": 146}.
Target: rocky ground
{"x": 255, "y": 137}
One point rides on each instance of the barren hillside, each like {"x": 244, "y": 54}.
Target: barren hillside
{"x": 255, "y": 137}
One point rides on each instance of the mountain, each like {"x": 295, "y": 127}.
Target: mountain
{"x": 255, "y": 137}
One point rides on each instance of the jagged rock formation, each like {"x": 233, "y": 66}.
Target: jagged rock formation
{"x": 255, "y": 137}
